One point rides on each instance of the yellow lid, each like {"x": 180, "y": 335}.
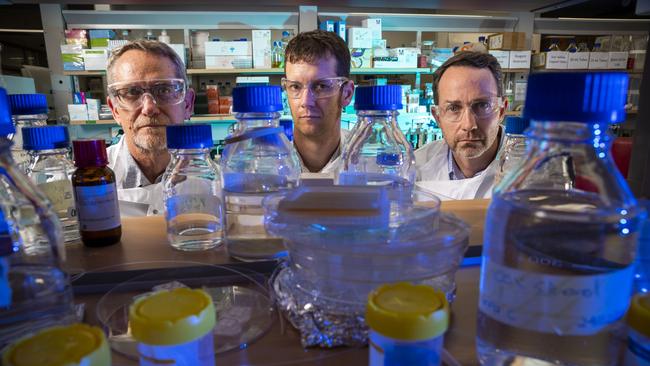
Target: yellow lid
{"x": 407, "y": 312}
{"x": 172, "y": 316}
{"x": 76, "y": 344}
{"x": 638, "y": 316}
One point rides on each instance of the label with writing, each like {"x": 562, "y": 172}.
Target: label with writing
{"x": 520, "y": 59}
{"x": 97, "y": 206}
{"x": 598, "y": 60}
{"x": 558, "y": 304}
{"x": 617, "y": 60}
{"x": 578, "y": 60}
{"x": 557, "y": 60}
{"x": 60, "y": 195}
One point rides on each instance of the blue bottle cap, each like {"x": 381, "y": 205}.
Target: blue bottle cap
{"x": 45, "y": 138}
{"x": 260, "y": 99}
{"x": 516, "y": 125}
{"x": 28, "y": 104}
{"x": 7, "y": 246}
{"x": 6, "y": 125}
{"x": 591, "y": 97}
{"x": 378, "y": 98}
{"x": 189, "y": 136}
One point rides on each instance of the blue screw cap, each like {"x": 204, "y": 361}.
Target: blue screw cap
{"x": 516, "y": 125}
{"x": 45, "y": 138}
{"x": 6, "y": 124}
{"x": 28, "y": 104}
{"x": 378, "y": 98}
{"x": 189, "y": 136}
{"x": 590, "y": 97}
{"x": 257, "y": 99}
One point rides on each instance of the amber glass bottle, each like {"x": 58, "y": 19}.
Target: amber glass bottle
{"x": 95, "y": 194}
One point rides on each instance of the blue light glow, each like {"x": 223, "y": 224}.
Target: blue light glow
{"x": 623, "y": 221}
{"x": 601, "y": 155}
{"x": 625, "y": 231}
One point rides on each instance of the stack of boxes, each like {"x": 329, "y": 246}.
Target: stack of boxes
{"x": 262, "y": 49}
{"x": 509, "y": 48}
{"x": 229, "y": 55}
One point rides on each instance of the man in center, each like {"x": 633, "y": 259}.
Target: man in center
{"x": 317, "y": 71}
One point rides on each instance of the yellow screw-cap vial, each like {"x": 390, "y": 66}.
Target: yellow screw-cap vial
{"x": 174, "y": 327}
{"x": 407, "y": 323}
{"x": 72, "y": 345}
{"x": 638, "y": 337}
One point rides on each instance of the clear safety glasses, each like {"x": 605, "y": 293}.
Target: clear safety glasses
{"x": 130, "y": 95}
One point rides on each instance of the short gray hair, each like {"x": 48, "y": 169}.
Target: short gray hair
{"x": 152, "y": 47}
{"x": 478, "y": 60}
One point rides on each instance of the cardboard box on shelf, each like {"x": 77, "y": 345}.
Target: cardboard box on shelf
{"x": 228, "y": 62}
{"x": 261, "y": 49}
{"x": 578, "y": 60}
{"x": 617, "y": 60}
{"x": 231, "y": 48}
{"x": 598, "y": 60}
{"x": 95, "y": 59}
{"x": 99, "y": 43}
{"x": 72, "y": 57}
{"x": 361, "y": 58}
{"x": 213, "y": 106}
{"x": 93, "y": 106}
{"x": 512, "y": 41}
{"x": 101, "y": 33}
{"x": 339, "y": 27}
{"x": 327, "y": 25}
{"x": 359, "y": 38}
{"x": 78, "y": 112}
{"x": 373, "y": 24}
{"x": 225, "y": 102}
{"x": 405, "y": 57}
{"x": 519, "y": 60}
{"x": 503, "y": 57}
{"x": 553, "y": 60}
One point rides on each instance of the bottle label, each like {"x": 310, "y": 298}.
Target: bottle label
{"x": 558, "y": 304}
{"x": 60, "y": 194}
{"x": 97, "y": 207}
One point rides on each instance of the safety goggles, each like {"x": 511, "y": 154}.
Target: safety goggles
{"x": 482, "y": 108}
{"x": 129, "y": 95}
{"x": 322, "y": 88}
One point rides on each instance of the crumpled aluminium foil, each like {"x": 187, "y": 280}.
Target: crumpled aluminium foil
{"x": 321, "y": 323}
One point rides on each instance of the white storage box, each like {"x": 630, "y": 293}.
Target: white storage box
{"x": 179, "y": 48}
{"x": 228, "y": 62}
{"x": 617, "y": 60}
{"x": 374, "y": 24}
{"x": 519, "y": 60}
{"x": 578, "y": 60}
{"x": 262, "y": 49}
{"x": 78, "y": 112}
{"x": 235, "y": 48}
{"x": 503, "y": 57}
{"x": 93, "y": 106}
{"x": 359, "y": 38}
{"x": 598, "y": 60}
{"x": 95, "y": 59}
{"x": 553, "y": 60}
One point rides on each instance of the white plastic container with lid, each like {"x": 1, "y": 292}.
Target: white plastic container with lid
{"x": 73, "y": 345}
{"x": 407, "y": 323}
{"x": 638, "y": 337}
{"x": 174, "y": 327}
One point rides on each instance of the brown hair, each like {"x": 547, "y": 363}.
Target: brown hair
{"x": 314, "y": 45}
{"x": 479, "y": 60}
{"x": 152, "y": 47}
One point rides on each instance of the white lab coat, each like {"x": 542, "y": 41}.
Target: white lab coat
{"x": 137, "y": 196}
{"x": 433, "y": 174}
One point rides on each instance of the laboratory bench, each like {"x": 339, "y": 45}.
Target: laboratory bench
{"x": 144, "y": 250}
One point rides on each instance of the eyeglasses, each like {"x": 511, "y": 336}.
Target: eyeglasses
{"x": 481, "y": 109}
{"x": 129, "y": 95}
{"x": 321, "y": 88}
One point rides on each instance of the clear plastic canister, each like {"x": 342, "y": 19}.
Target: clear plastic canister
{"x": 407, "y": 323}
{"x": 174, "y": 327}
{"x": 73, "y": 345}
{"x": 638, "y": 338}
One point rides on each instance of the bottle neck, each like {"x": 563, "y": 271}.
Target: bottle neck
{"x": 389, "y": 116}
{"x": 63, "y": 152}
{"x": 192, "y": 153}
{"x": 30, "y": 119}
{"x": 247, "y": 121}
{"x": 595, "y": 135}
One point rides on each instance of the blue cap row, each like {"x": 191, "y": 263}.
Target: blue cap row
{"x": 28, "y": 104}
{"x": 6, "y": 125}
{"x": 45, "y": 138}
{"x": 189, "y": 136}
{"x": 257, "y": 99}
{"x": 591, "y": 97}
{"x": 516, "y": 125}
{"x": 378, "y": 98}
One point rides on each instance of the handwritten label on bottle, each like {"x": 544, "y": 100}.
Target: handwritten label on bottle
{"x": 60, "y": 195}
{"x": 558, "y": 304}
{"x": 97, "y": 206}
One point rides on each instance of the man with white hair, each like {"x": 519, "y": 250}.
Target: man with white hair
{"x": 147, "y": 91}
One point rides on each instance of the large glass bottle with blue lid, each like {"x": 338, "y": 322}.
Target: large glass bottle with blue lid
{"x": 27, "y": 110}
{"x": 561, "y": 232}
{"x": 377, "y": 153}
{"x": 37, "y": 291}
{"x": 257, "y": 160}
